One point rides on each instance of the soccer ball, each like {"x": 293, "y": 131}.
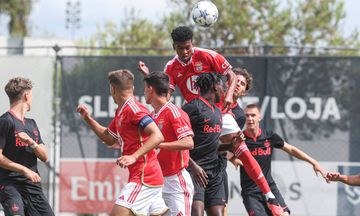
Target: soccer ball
{"x": 205, "y": 13}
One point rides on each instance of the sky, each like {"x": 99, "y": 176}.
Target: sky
{"x": 48, "y": 16}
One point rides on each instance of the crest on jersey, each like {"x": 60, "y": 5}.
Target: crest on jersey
{"x": 267, "y": 144}
{"x": 198, "y": 66}
{"x": 36, "y": 133}
{"x": 160, "y": 123}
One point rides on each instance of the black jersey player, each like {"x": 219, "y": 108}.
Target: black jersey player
{"x": 207, "y": 172}
{"x": 261, "y": 144}
{"x": 20, "y": 147}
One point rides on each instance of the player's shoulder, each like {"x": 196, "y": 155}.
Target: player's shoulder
{"x": 205, "y": 52}
{"x": 6, "y": 117}
{"x": 191, "y": 106}
{"x": 171, "y": 63}
{"x": 133, "y": 106}
{"x": 174, "y": 111}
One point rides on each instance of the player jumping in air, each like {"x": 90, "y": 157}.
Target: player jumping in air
{"x": 137, "y": 134}
{"x": 183, "y": 71}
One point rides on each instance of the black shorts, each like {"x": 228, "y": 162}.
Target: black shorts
{"x": 214, "y": 193}
{"x": 15, "y": 203}
{"x": 255, "y": 203}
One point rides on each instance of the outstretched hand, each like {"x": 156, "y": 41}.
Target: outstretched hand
{"x": 143, "y": 68}
{"x": 333, "y": 176}
{"x": 318, "y": 169}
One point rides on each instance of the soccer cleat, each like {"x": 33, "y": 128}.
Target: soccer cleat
{"x": 274, "y": 207}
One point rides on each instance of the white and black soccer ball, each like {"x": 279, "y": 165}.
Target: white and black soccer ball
{"x": 205, "y": 13}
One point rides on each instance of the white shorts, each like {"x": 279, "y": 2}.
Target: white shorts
{"x": 178, "y": 192}
{"x": 142, "y": 200}
{"x": 229, "y": 125}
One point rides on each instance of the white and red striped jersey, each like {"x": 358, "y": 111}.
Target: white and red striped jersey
{"x": 125, "y": 127}
{"x": 174, "y": 124}
{"x": 184, "y": 75}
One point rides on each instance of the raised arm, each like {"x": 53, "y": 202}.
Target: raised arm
{"x": 290, "y": 149}
{"x": 101, "y": 131}
{"x": 228, "y": 100}
{"x": 353, "y": 180}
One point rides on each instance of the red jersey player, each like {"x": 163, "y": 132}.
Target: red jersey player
{"x": 183, "y": 71}
{"x": 173, "y": 157}
{"x": 138, "y": 135}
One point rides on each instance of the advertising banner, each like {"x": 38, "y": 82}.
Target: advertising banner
{"x": 90, "y": 186}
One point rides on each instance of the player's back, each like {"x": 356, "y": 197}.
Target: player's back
{"x": 174, "y": 124}
{"x": 126, "y": 125}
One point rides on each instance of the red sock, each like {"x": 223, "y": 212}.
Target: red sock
{"x": 252, "y": 168}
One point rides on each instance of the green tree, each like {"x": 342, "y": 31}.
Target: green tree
{"x": 300, "y": 25}
{"x": 18, "y": 12}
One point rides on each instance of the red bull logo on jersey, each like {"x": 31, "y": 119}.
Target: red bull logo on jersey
{"x": 209, "y": 129}
{"x": 260, "y": 151}
{"x": 19, "y": 143}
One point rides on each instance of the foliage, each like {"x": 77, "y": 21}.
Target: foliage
{"x": 18, "y": 12}
{"x": 244, "y": 27}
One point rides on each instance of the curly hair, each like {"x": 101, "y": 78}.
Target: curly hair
{"x": 243, "y": 72}
{"x": 16, "y": 87}
{"x": 181, "y": 34}
{"x": 207, "y": 81}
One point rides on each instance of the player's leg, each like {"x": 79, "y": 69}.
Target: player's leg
{"x": 198, "y": 207}
{"x": 281, "y": 200}
{"x": 11, "y": 201}
{"x": 215, "y": 195}
{"x": 37, "y": 204}
{"x": 252, "y": 168}
{"x": 137, "y": 199}
{"x": 118, "y": 210}
{"x": 255, "y": 205}
{"x": 178, "y": 193}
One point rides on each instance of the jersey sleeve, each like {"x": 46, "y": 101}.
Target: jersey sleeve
{"x": 137, "y": 118}
{"x": 40, "y": 140}
{"x": 192, "y": 112}
{"x": 181, "y": 126}
{"x": 170, "y": 73}
{"x": 220, "y": 64}
{"x": 112, "y": 128}
{"x": 277, "y": 141}
{"x": 4, "y": 130}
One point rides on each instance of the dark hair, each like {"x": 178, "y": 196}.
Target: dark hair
{"x": 206, "y": 82}
{"x": 16, "y": 87}
{"x": 243, "y": 72}
{"x": 181, "y": 34}
{"x": 253, "y": 105}
{"x": 159, "y": 81}
{"x": 121, "y": 79}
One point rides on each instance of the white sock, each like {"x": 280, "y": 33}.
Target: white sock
{"x": 269, "y": 195}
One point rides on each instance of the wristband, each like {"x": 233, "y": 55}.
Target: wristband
{"x": 34, "y": 146}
